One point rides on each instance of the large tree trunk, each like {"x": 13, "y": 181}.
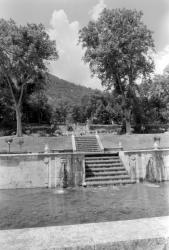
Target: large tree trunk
{"x": 17, "y": 103}
{"x": 127, "y": 121}
{"x": 128, "y": 127}
{"x": 127, "y": 115}
{"x": 18, "y": 120}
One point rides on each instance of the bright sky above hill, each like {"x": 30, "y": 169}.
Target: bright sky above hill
{"x": 63, "y": 19}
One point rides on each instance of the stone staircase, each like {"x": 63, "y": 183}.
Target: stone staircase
{"x": 87, "y": 144}
{"x": 105, "y": 169}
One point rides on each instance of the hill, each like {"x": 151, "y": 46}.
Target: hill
{"x": 58, "y": 89}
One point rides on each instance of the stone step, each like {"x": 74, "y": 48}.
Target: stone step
{"x": 85, "y": 137}
{"x": 97, "y": 158}
{"x": 96, "y": 165}
{"x": 111, "y": 182}
{"x": 100, "y": 158}
{"x": 92, "y": 148}
{"x": 103, "y": 169}
{"x": 85, "y": 142}
{"x": 79, "y": 141}
{"x": 106, "y": 173}
{"x": 106, "y": 178}
{"x": 88, "y": 150}
{"x": 87, "y": 146}
{"x": 103, "y": 161}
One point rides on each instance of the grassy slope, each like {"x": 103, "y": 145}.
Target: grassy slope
{"x": 129, "y": 142}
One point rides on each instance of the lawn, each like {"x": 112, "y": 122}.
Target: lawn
{"x": 129, "y": 142}
{"x": 134, "y": 141}
{"x": 37, "y": 144}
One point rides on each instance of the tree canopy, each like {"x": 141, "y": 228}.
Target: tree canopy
{"x": 118, "y": 49}
{"x": 154, "y": 97}
{"x": 24, "y": 53}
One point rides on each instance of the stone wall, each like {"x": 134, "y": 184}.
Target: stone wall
{"x": 41, "y": 170}
{"x": 67, "y": 169}
{"x": 152, "y": 165}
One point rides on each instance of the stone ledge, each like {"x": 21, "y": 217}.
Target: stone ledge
{"x": 140, "y": 234}
{"x": 146, "y": 150}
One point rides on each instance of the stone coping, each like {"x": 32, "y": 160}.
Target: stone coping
{"x": 56, "y": 153}
{"x": 140, "y": 234}
{"x": 42, "y": 154}
{"x": 87, "y": 153}
{"x": 146, "y": 150}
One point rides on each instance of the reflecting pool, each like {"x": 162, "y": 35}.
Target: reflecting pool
{"x": 22, "y": 208}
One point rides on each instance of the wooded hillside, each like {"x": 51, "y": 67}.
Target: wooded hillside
{"x": 58, "y": 89}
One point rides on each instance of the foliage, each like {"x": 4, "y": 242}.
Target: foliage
{"x": 59, "y": 114}
{"x": 155, "y": 99}
{"x": 24, "y": 51}
{"x": 118, "y": 47}
{"x": 36, "y": 109}
{"x": 150, "y": 108}
{"x": 59, "y": 90}
{"x": 77, "y": 114}
{"x": 102, "y": 108}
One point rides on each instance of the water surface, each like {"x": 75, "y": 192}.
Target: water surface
{"x": 22, "y": 208}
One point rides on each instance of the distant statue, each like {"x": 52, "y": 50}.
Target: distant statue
{"x": 88, "y": 122}
{"x": 132, "y": 164}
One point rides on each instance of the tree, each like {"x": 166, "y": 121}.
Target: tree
{"x": 118, "y": 49}
{"x": 77, "y": 114}
{"x": 36, "y": 108}
{"x": 24, "y": 52}
{"x": 60, "y": 113}
{"x": 102, "y": 115}
{"x": 114, "y": 108}
{"x": 91, "y": 104}
{"x": 155, "y": 99}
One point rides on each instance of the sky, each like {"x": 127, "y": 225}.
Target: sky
{"x": 64, "y": 18}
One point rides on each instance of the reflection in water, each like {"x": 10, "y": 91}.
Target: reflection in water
{"x": 43, "y": 207}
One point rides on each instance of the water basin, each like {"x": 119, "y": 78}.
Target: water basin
{"x": 22, "y": 208}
